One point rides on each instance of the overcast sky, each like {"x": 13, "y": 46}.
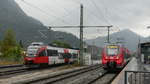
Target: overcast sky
{"x": 122, "y": 14}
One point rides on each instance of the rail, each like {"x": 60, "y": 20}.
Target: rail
{"x": 8, "y": 66}
{"x": 61, "y": 76}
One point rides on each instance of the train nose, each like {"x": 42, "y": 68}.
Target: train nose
{"x": 111, "y": 64}
{"x": 29, "y": 62}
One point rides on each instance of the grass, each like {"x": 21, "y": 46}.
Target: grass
{"x": 8, "y": 62}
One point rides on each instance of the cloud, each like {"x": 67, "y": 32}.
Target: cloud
{"x": 131, "y": 14}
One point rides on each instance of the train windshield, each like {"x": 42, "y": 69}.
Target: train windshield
{"x": 32, "y": 51}
{"x": 112, "y": 50}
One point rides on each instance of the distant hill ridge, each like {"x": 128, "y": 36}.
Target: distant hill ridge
{"x": 27, "y": 28}
{"x": 129, "y": 39}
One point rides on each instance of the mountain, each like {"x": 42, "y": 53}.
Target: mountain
{"x": 127, "y": 37}
{"x": 28, "y": 29}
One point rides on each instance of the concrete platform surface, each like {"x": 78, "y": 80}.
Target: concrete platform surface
{"x": 131, "y": 66}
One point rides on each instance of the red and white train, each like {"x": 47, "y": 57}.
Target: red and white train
{"x": 39, "y": 55}
{"x": 114, "y": 56}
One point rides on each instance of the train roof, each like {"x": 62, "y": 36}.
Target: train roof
{"x": 36, "y": 44}
{"x": 145, "y": 44}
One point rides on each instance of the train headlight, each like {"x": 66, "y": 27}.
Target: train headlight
{"x": 117, "y": 57}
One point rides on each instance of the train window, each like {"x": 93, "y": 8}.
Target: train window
{"x": 75, "y": 55}
{"x": 66, "y": 55}
{"x": 42, "y": 53}
{"x": 60, "y": 55}
{"x": 52, "y": 52}
{"x": 112, "y": 51}
{"x": 31, "y": 52}
{"x": 30, "y": 55}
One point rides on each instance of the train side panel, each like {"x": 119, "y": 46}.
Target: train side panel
{"x": 50, "y": 55}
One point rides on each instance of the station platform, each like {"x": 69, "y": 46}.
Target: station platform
{"x": 133, "y": 65}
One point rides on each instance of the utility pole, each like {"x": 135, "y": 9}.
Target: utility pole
{"x": 81, "y": 26}
{"x": 108, "y": 40}
{"x": 81, "y": 36}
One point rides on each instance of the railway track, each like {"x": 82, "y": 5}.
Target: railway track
{"x": 63, "y": 77}
{"x": 13, "y": 71}
{"x": 104, "y": 78}
{"x": 10, "y": 66}
{"x": 88, "y": 75}
{"x": 23, "y": 70}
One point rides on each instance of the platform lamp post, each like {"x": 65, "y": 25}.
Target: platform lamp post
{"x": 148, "y": 27}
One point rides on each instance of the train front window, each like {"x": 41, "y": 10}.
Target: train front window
{"x": 111, "y": 51}
{"x": 31, "y": 53}
{"x": 42, "y": 53}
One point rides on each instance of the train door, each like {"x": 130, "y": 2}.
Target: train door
{"x": 75, "y": 57}
{"x": 52, "y": 56}
{"x": 60, "y": 55}
{"x": 42, "y": 57}
{"x": 60, "y": 58}
{"x": 66, "y": 56}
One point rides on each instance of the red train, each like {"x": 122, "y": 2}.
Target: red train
{"x": 40, "y": 55}
{"x": 114, "y": 56}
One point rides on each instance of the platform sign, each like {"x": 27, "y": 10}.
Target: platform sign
{"x": 112, "y": 46}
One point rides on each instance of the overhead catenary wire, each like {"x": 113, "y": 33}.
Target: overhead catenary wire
{"x": 104, "y": 16}
{"x": 64, "y": 9}
{"x": 66, "y": 15}
{"x": 92, "y": 1}
{"x": 77, "y": 26}
{"x": 42, "y": 11}
{"x": 91, "y": 12}
{"x": 57, "y": 17}
{"x": 46, "y": 12}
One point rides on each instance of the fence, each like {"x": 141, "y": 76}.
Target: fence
{"x": 137, "y": 77}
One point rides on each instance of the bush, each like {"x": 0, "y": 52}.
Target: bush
{"x": 13, "y": 54}
{"x": 9, "y": 47}
{"x": 61, "y": 44}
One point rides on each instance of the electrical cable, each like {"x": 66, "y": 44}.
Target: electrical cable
{"x": 42, "y": 11}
